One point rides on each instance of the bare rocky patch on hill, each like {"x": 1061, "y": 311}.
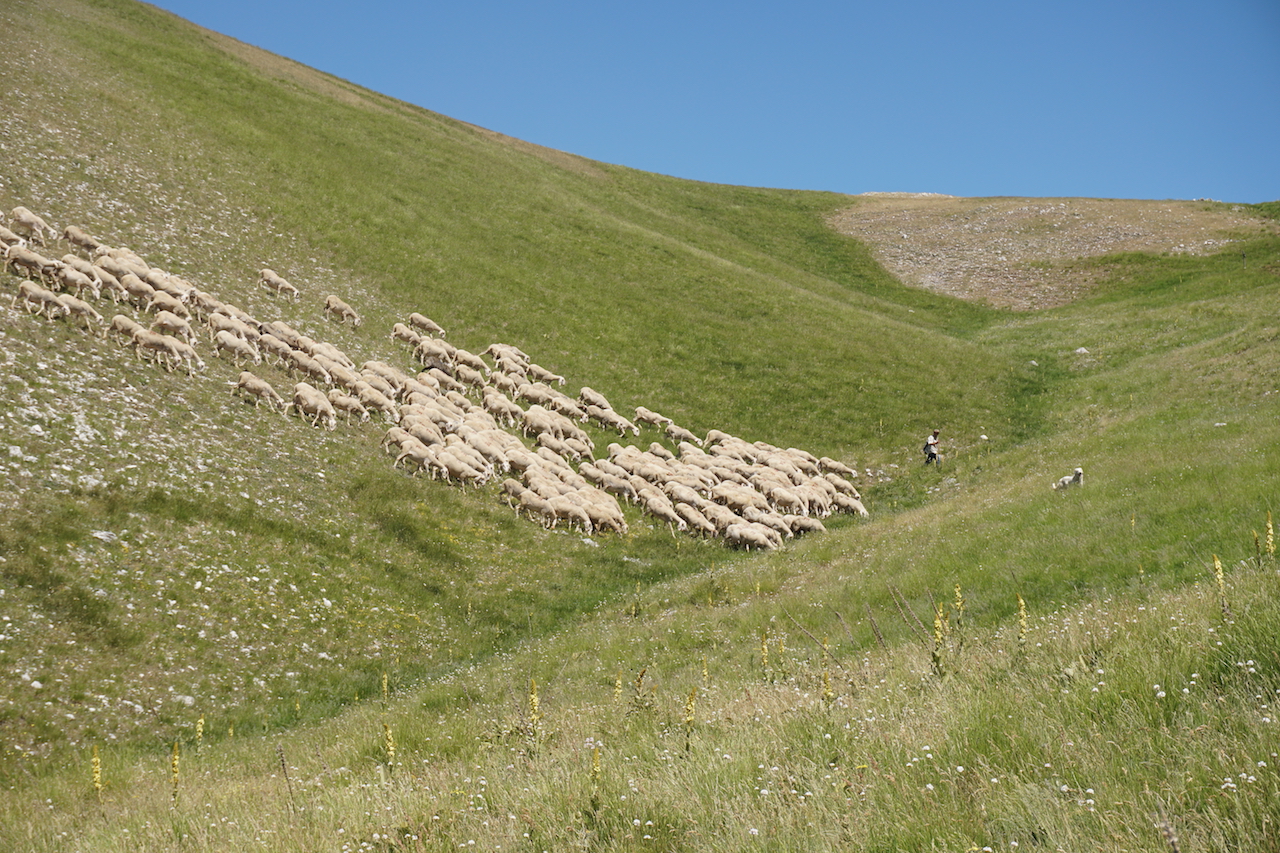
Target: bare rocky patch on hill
{"x": 1024, "y": 253}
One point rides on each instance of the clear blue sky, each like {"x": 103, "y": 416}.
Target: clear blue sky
{"x": 1097, "y": 98}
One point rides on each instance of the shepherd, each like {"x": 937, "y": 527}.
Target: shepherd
{"x": 931, "y": 448}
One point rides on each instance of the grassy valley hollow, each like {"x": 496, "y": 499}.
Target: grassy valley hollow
{"x": 226, "y": 625}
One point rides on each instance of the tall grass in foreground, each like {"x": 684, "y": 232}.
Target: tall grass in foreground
{"x": 1115, "y": 724}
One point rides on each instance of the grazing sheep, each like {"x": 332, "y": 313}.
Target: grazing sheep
{"x": 283, "y": 331}
{"x": 749, "y": 536}
{"x": 45, "y": 302}
{"x": 648, "y": 416}
{"x": 591, "y": 397}
{"x": 299, "y": 360}
{"x": 270, "y": 344}
{"x": 679, "y": 433}
{"x": 541, "y": 374}
{"x": 224, "y": 341}
{"x": 8, "y": 238}
{"x": 78, "y": 237}
{"x": 259, "y": 390}
{"x": 426, "y": 324}
{"x": 698, "y": 523}
{"x": 1076, "y": 478}
{"x": 341, "y": 310}
{"x": 19, "y": 256}
{"x": 162, "y": 301}
{"x": 145, "y": 341}
{"x": 73, "y": 279}
{"x": 611, "y": 419}
{"x": 401, "y": 332}
{"x": 372, "y": 398}
{"x": 313, "y": 405}
{"x": 79, "y": 308}
{"x": 167, "y": 323}
{"x": 832, "y": 466}
{"x": 271, "y": 279}
{"x": 348, "y": 405}
{"x": 853, "y": 505}
{"x": 183, "y": 353}
{"x": 123, "y": 326}
{"x": 137, "y": 291}
{"x": 24, "y": 220}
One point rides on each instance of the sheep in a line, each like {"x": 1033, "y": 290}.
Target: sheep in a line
{"x": 401, "y": 332}
{"x": 237, "y": 347}
{"x": 219, "y": 322}
{"x": 124, "y": 327}
{"x": 183, "y": 353}
{"x": 145, "y": 341}
{"x": 137, "y": 291}
{"x": 311, "y": 404}
{"x": 591, "y": 397}
{"x": 1075, "y": 478}
{"x": 259, "y": 390}
{"x": 80, "y": 309}
{"x": 77, "y": 236}
{"x": 79, "y": 275}
{"x": 299, "y": 361}
{"x": 541, "y": 374}
{"x": 426, "y": 324}
{"x": 36, "y": 264}
{"x": 275, "y": 282}
{"x": 168, "y": 323}
{"x": 21, "y": 219}
{"x": 341, "y": 310}
{"x": 347, "y": 405}
{"x": 751, "y": 536}
{"x": 503, "y": 409}
{"x": 611, "y": 419}
{"x": 8, "y": 238}
{"x": 162, "y": 301}
{"x": 678, "y": 433}
{"x": 44, "y": 302}
{"x": 650, "y": 417}
{"x": 372, "y": 398}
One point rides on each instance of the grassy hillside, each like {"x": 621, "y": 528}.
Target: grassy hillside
{"x": 351, "y": 657}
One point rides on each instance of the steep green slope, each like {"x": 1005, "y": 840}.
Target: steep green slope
{"x": 724, "y": 307}
{"x": 172, "y": 555}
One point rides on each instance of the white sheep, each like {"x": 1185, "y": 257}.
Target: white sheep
{"x": 225, "y": 341}
{"x": 270, "y": 278}
{"x": 24, "y": 220}
{"x": 426, "y": 324}
{"x": 341, "y": 310}
{"x": 1076, "y": 478}
{"x": 260, "y": 390}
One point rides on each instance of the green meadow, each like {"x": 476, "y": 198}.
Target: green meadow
{"x": 224, "y": 629}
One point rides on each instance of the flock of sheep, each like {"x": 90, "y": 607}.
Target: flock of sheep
{"x": 455, "y": 418}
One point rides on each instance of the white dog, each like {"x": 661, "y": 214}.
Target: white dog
{"x": 1076, "y": 479}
